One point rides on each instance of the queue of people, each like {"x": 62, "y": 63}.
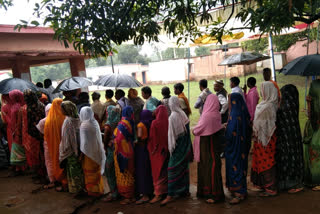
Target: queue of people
{"x": 144, "y": 148}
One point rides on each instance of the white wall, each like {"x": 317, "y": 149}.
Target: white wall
{"x": 168, "y": 71}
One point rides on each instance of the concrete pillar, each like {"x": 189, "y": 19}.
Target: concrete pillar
{"x": 77, "y": 67}
{"x": 21, "y": 68}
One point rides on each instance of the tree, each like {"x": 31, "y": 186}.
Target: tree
{"x": 94, "y": 26}
{"x": 5, "y": 4}
{"x": 202, "y": 51}
{"x": 53, "y": 72}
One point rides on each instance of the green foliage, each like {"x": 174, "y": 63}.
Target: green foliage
{"x": 96, "y": 27}
{"x": 202, "y": 51}
{"x": 257, "y": 45}
{"x": 5, "y": 4}
{"x": 280, "y": 42}
{"x": 53, "y": 72}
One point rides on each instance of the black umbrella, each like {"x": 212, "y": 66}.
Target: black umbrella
{"x": 73, "y": 83}
{"x": 10, "y": 84}
{"x": 118, "y": 81}
{"x": 308, "y": 65}
{"x": 244, "y": 58}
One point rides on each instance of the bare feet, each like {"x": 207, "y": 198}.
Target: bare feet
{"x": 155, "y": 199}
{"x": 127, "y": 201}
{"x": 143, "y": 200}
{"x": 49, "y": 186}
{"x": 167, "y": 200}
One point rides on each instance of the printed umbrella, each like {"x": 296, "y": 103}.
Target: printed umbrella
{"x": 308, "y": 65}
{"x": 118, "y": 81}
{"x": 244, "y": 58}
{"x": 10, "y": 84}
{"x": 73, "y": 83}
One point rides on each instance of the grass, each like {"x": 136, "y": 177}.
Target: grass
{"x": 282, "y": 80}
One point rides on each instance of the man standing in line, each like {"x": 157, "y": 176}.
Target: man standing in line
{"x": 203, "y": 85}
{"x": 184, "y": 102}
{"x": 234, "y": 85}
{"x": 48, "y": 86}
{"x": 222, "y": 96}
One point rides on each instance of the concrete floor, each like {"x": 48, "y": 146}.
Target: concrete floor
{"x": 16, "y": 197}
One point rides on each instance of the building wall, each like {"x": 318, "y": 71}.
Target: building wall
{"x": 168, "y": 71}
{"x": 300, "y": 49}
{"x": 95, "y": 73}
{"x": 207, "y": 66}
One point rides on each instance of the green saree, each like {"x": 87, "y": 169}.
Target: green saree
{"x": 312, "y": 138}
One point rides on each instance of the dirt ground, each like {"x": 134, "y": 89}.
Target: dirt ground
{"x": 18, "y": 196}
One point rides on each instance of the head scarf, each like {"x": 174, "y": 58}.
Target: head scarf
{"x": 47, "y": 109}
{"x": 113, "y": 116}
{"x": 52, "y": 134}
{"x": 90, "y": 138}
{"x": 177, "y": 122}
{"x": 158, "y": 140}
{"x": 127, "y": 114}
{"x": 132, "y": 93}
{"x": 70, "y": 132}
{"x": 124, "y": 138}
{"x": 17, "y": 101}
{"x": 69, "y": 109}
{"x": 35, "y": 112}
{"x": 209, "y": 123}
{"x": 44, "y": 98}
{"x": 146, "y": 118}
{"x": 40, "y": 125}
{"x": 6, "y": 107}
{"x": 264, "y": 123}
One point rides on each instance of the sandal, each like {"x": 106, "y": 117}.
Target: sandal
{"x": 292, "y": 191}
{"x": 267, "y": 194}
{"x": 210, "y": 201}
{"x": 316, "y": 188}
{"x": 140, "y": 201}
{"x": 237, "y": 199}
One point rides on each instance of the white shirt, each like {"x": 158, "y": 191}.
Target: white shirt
{"x": 224, "y": 103}
{"x": 237, "y": 89}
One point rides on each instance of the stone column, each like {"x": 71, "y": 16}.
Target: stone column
{"x": 77, "y": 67}
{"x": 21, "y": 68}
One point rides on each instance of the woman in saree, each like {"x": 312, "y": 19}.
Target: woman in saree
{"x": 263, "y": 172}
{"x": 48, "y": 160}
{"x": 206, "y": 151}
{"x": 124, "y": 136}
{"x": 112, "y": 122}
{"x": 94, "y": 156}
{"x": 33, "y": 112}
{"x": 6, "y": 116}
{"x": 158, "y": 152}
{"x": 289, "y": 147}
{"x": 52, "y": 135}
{"x": 238, "y": 142}
{"x": 143, "y": 177}
{"x": 69, "y": 148}
{"x": 311, "y": 138}
{"x": 17, "y": 155}
{"x": 179, "y": 144}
